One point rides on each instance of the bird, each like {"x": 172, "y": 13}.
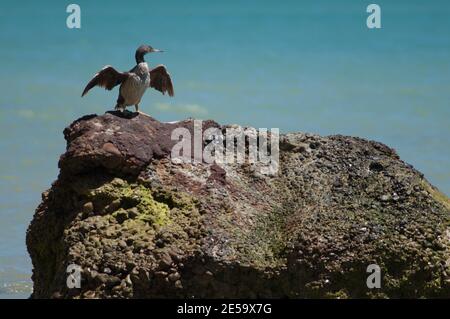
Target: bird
{"x": 135, "y": 82}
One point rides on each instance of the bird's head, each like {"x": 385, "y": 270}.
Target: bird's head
{"x": 143, "y": 50}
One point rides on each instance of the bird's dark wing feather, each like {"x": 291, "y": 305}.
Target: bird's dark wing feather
{"x": 108, "y": 78}
{"x": 160, "y": 80}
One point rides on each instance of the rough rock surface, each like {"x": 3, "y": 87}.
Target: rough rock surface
{"x": 141, "y": 226}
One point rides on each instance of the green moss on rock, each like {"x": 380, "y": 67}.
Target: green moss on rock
{"x": 132, "y": 195}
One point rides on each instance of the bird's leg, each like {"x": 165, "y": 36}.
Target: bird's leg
{"x": 140, "y": 112}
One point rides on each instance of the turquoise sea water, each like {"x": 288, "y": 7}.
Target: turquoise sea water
{"x": 297, "y": 65}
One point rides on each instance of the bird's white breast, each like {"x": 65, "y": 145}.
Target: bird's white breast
{"x": 134, "y": 87}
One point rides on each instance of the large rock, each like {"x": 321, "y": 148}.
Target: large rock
{"x": 140, "y": 225}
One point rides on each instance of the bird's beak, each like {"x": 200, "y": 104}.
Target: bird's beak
{"x": 157, "y": 50}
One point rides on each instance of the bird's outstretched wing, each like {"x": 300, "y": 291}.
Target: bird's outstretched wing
{"x": 160, "y": 80}
{"x": 108, "y": 78}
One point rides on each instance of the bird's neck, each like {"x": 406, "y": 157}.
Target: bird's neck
{"x": 139, "y": 58}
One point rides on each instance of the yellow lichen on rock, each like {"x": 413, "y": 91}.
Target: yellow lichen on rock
{"x": 126, "y": 194}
